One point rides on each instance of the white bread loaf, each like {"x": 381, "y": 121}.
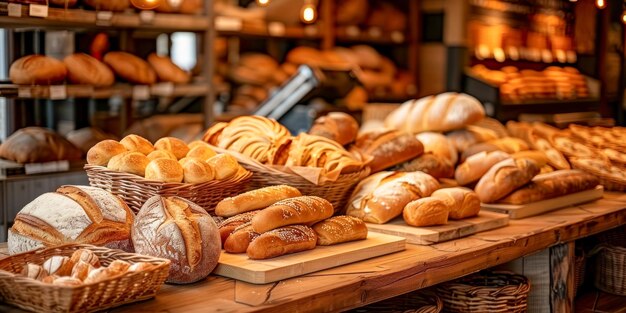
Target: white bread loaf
{"x": 444, "y": 112}
{"x": 73, "y": 214}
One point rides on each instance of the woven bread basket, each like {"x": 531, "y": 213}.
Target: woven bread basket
{"x": 610, "y": 261}
{"x": 609, "y": 183}
{"x": 336, "y": 192}
{"x": 33, "y": 295}
{"x": 135, "y": 190}
{"x": 580, "y": 264}
{"x": 488, "y": 291}
{"x": 412, "y": 302}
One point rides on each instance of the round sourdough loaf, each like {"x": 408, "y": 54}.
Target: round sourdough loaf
{"x": 181, "y": 231}
{"x": 72, "y": 214}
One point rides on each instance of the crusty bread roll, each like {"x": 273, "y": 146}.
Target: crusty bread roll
{"x": 426, "y": 212}
{"x": 99, "y": 274}
{"x": 504, "y": 177}
{"x": 281, "y": 241}
{"x": 338, "y": 126}
{"x": 198, "y": 143}
{"x": 167, "y": 71}
{"x": 164, "y": 170}
{"x": 85, "y": 255}
{"x": 430, "y": 164}
{"x": 462, "y": 202}
{"x": 58, "y": 265}
{"x": 438, "y": 145}
{"x": 230, "y": 224}
{"x": 37, "y": 70}
{"x": 129, "y": 162}
{"x": 81, "y": 270}
{"x": 387, "y": 148}
{"x": 84, "y": 69}
{"x": 255, "y": 199}
{"x": 381, "y": 197}
{"x": 141, "y": 267}
{"x": 108, "y": 5}
{"x": 225, "y": 166}
{"x": 551, "y": 185}
{"x": 201, "y": 152}
{"x": 443, "y": 112}
{"x": 73, "y": 214}
{"x": 119, "y": 266}
{"x": 36, "y": 144}
{"x": 174, "y": 145}
{"x": 34, "y": 271}
{"x": 137, "y": 143}
{"x": 179, "y": 230}
{"x": 130, "y": 68}
{"x": 477, "y": 165}
{"x": 298, "y": 210}
{"x": 338, "y": 229}
{"x": 161, "y": 154}
{"x": 102, "y": 152}
{"x": 196, "y": 171}
{"x": 241, "y": 237}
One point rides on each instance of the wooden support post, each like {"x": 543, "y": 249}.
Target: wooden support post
{"x": 208, "y": 68}
{"x": 562, "y": 289}
{"x": 414, "y": 41}
{"x": 328, "y": 24}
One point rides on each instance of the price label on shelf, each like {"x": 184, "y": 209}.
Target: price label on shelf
{"x": 24, "y": 92}
{"x": 104, "y": 17}
{"x": 38, "y": 10}
{"x": 353, "y": 31}
{"x": 163, "y": 89}
{"x": 147, "y": 17}
{"x": 47, "y": 167}
{"x": 15, "y": 9}
{"x": 375, "y": 32}
{"x": 397, "y": 36}
{"x": 58, "y": 92}
{"x": 141, "y": 92}
{"x": 225, "y": 23}
{"x": 276, "y": 29}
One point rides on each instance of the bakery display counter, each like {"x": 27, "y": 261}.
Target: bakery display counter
{"x": 15, "y": 16}
{"x": 232, "y": 26}
{"x": 372, "y": 280}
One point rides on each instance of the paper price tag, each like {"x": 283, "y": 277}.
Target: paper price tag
{"x": 397, "y": 37}
{"x": 24, "y": 92}
{"x": 225, "y": 23}
{"x": 147, "y": 17}
{"x": 163, "y": 89}
{"x": 353, "y": 31}
{"x": 104, "y": 17}
{"x": 375, "y": 32}
{"x": 276, "y": 29}
{"x": 15, "y": 9}
{"x": 38, "y": 10}
{"x": 141, "y": 92}
{"x": 58, "y": 92}
{"x": 47, "y": 167}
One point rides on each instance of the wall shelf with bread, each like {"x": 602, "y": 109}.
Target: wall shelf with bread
{"x": 229, "y": 26}
{"x": 138, "y": 92}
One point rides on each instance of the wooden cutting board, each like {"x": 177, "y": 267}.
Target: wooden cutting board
{"x": 240, "y": 267}
{"x": 432, "y": 234}
{"x": 530, "y": 209}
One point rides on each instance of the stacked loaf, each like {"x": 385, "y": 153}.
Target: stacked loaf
{"x": 277, "y": 220}
{"x": 169, "y": 160}
{"x": 36, "y": 144}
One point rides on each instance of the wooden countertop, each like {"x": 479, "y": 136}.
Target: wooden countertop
{"x": 368, "y": 281}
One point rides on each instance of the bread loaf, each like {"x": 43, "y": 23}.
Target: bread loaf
{"x": 254, "y": 136}
{"x": 315, "y": 151}
{"x": 505, "y": 177}
{"x": 551, "y": 185}
{"x": 426, "y": 212}
{"x": 477, "y": 165}
{"x": 507, "y": 144}
{"x": 338, "y": 229}
{"x": 164, "y": 170}
{"x": 179, "y": 230}
{"x": 37, "y": 70}
{"x": 239, "y": 240}
{"x": 36, "y": 144}
{"x": 87, "y": 137}
{"x": 381, "y": 197}
{"x": 470, "y": 135}
{"x": 102, "y": 152}
{"x": 299, "y": 210}
{"x": 430, "y": 164}
{"x": 387, "y": 148}
{"x": 81, "y": 270}
{"x": 84, "y": 69}
{"x": 229, "y": 225}
{"x": 85, "y": 255}
{"x": 461, "y": 202}
{"x": 34, "y": 271}
{"x": 73, "y": 214}
{"x": 58, "y": 265}
{"x": 173, "y": 145}
{"x": 129, "y": 162}
{"x": 255, "y": 199}
{"x": 555, "y": 158}
{"x": 130, "y": 68}
{"x": 438, "y": 145}
{"x": 443, "y": 112}
{"x": 167, "y": 71}
{"x": 137, "y": 143}
{"x": 281, "y": 241}
{"x": 337, "y": 126}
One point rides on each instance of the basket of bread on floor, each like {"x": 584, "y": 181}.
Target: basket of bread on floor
{"x": 135, "y": 169}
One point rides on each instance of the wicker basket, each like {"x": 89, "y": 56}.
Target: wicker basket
{"x": 36, "y": 296}
{"x": 610, "y": 275}
{"x": 413, "y": 302}
{"x": 609, "y": 183}
{"x": 580, "y": 264}
{"x": 135, "y": 190}
{"x": 489, "y": 291}
{"x": 336, "y": 192}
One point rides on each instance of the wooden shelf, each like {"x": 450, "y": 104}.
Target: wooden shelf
{"x": 372, "y": 35}
{"x": 230, "y": 26}
{"x": 61, "y": 18}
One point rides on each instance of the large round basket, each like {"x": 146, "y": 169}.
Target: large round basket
{"x": 412, "y": 302}
{"x": 30, "y": 294}
{"x": 489, "y": 291}
{"x": 336, "y": 192}
{"x": 610, "y": 262}
{"x": 135, "y": 190}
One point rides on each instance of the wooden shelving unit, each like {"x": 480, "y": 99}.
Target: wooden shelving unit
{"x": 233, "y": 27}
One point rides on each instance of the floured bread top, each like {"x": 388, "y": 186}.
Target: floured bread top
{"x": 60, "y": 212}
{"x": 112, "y": 208}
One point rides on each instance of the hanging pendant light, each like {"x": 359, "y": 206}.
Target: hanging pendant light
{"x": 146, "y": 4}
{"x": 601, "y": 4}
{"x": 262, "y": 3}
{"x": 308, "y": 13}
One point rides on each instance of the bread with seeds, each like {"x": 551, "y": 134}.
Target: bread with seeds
{"x": 299, "y": 210}
{"x": 281, "y": 241}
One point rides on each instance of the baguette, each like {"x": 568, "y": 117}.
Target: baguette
{"x": 228, "y": 226}
{"x": 240, "y": 239}
{"x": 430, "y": 164}
{"x": 426, "y": 212}
{"x": 338, "y": 229}
{"x": 387, "y": 148}
{"x": 552, "y": 185}
{"x": 477, "y": 165}
{"x": 462, "y": 202}
{"x": 505, "y": 177}
{"x": 283, "y": 240}
{"x": 298, "y": 210}
{"x": 255, "y": 199}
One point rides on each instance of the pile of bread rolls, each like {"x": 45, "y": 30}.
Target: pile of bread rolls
{"x": 380, "y": 14}
{"x": 552, "y": 83}
{"x": 83, "y": 69}
{"x": 82, "y": 267}
{"x": 166, "y": 6}
{"x": 169, "y": 160}
{"x": 277, "y": 220}
{"x": 268, "y": 142}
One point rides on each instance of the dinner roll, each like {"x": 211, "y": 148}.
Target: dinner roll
{"x": 164, "y": 170}
{"x": 161, "y": 154}
{"x": 174, "y": 145}
{"x": 129, "y": 162}
{"x": 225, "y": 166}
{"x": 196, "y": 171}
{"x": 102, "y": 152}
{"x": 197, "y": 143}
{"x": 137, "y": 143}
{"x": 201, "y": 153}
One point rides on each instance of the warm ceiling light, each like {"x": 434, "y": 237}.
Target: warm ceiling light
{"x": 601, "y": 4}
{"x": 308, "y": 14}
{"x": 263, "y": 3}
{"x": 146, "y": 4}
